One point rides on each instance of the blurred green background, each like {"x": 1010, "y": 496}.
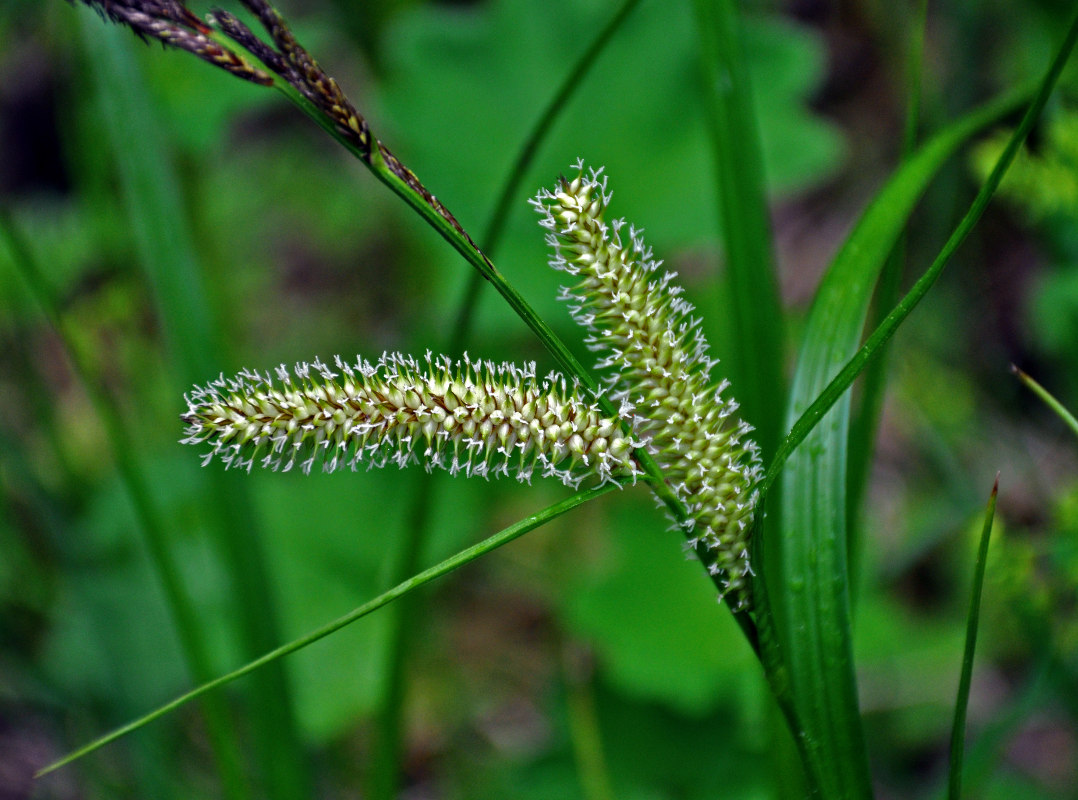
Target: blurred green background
{"x": 191, "y": 224}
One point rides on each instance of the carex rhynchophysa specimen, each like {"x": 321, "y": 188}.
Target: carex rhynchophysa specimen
{"x": 484, "y": 418}
{"x": 656, "y": 360}
{"x": 474, "y": 417}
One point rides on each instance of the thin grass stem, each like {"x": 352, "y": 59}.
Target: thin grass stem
{"x": 454, "y": 562}
{"x": 958, "y": 728}
{"x": 1049, "y": 400}
{"x": 815, "y": 412}
{"x": 756, "y": 364}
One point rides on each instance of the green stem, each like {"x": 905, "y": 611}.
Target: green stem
{"x": 756, "y": 364}
{"x": 1048, "y": 399}
{"x": 958, "y": 728}
{"x": 526, "y": 155}
{"x": 387, "y": 747}
{"x": 503, "y": 537}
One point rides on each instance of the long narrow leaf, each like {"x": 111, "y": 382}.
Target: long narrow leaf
{"x": 400, "y": 590}
{"x": 742, "y": 199}
{"x": 805, "y": 551}
{"x": 805, "y": 558}
{"x": 958, "y": 729}
{"x": 168, "y": 257}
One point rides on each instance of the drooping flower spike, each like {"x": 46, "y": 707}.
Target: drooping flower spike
{"x": 478, "y": 418}
{"x": 656, "y": 360}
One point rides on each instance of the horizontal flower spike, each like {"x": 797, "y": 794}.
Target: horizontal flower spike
{"x": 658, "y": 366}
{"x": 472, "y": 417}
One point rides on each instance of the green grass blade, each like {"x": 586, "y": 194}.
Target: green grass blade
{"x": 842, "y": 380}
{"x": 756, "y": 367}
{"x": 386, "y": 748}
{"x": 1049, "y": 400}
{"x": 805, "y": 554}
{"x": 807, "y": 570}
{"x": 400, "y": 590}
{"x": 868, "y": 244}
{"x": 958, "y": 729}
{"x": 154, "y": 530}
{"x": 888, "y": 293}
{"x": 168, "y": 257}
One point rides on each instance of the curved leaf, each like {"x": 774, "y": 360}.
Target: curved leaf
{"x": 804, "y": 555}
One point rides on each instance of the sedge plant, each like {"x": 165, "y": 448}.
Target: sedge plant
{"x": 658, "y": 414}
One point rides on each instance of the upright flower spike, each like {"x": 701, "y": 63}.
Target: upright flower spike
{"x": 478, "y": 418}
{"x": 644, "y": 330}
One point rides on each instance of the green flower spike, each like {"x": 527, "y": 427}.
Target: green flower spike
{"x": 658, "y": 354}
{"x": 474, "y": 417}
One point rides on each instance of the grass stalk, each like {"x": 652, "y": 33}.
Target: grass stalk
{"x": 168, "y": 257}
{"x": 757, "y": 362}
{"x": 958, "y": 728}
{"x": 450, "y": 564}
{"x": 384, "y": 778}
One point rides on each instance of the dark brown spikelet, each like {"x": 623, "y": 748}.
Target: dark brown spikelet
{"x": 171, "y": 23}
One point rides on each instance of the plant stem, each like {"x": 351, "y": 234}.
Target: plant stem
{"x": 465, "y": 556}
{"x": 756, "y": 368}
{"x": 1048, "y": 399}
{"x": 958, "y": 728}
{"x": 384, "y": 778}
